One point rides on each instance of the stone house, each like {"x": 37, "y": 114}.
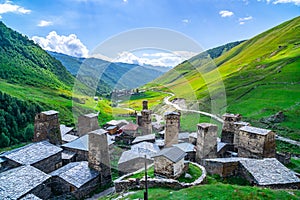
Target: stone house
{"x": 189, "y": 149}
{"x": 183, "y": 137}
{"x": 144, "y": 138}
{"x": 256, "y": 143}
{"x": 112, "y": 130}
{"x": 41, "y": 155}
{"x": 14, "y": 183}
{"x": 130, "y": 129}
{"x": 75, "y": 178}
{"x": 118, "y": 123}
{"x": 169, "y": 162}
{"x": 268, "y": 172}
{"x": 131, "y": 161}
{"x": 80, "y": 147}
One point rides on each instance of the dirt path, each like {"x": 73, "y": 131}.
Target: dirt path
{"x": 168, "y": 102}
{"x": 287, "y": 140}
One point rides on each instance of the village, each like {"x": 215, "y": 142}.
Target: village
{"x": 64, "y": 162}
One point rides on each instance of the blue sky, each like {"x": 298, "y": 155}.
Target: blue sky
{"x": 87, "y": 23}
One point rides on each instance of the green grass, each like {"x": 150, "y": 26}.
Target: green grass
{"x": 150, "y": 173}
{"x": 217, "y": 191}
{"x": 189, "y": 121}
{"x": 194, "y": 171}
{"x": 135, "y": 102}
{"x": 260, "y": 76}
{"x": 294, "y": 165}
{"x": 282, "y": 146}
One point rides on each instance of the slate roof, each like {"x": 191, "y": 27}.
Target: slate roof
{"x": 130, "y": 155}
{"x": 172, "y": 153}
{"x": 19, "y": 181}
{"x": 171, "y": 113}
{"x": 186, "y": 147}
{"x": 145, "y": 148}
{"x": 226, "y": 160}
{"x": 117, "y": 122}
{"x": 50, "y": 112}
{"x": 91, "y": 115}
{"x": 32, "y": 153}
{"x": 111, "y": 127}
{"x": 194, "y": 135}
{"x": 66, "y": 155}
{"x": 76, "y": 173}
{"x": 143, "y": 138}
{"x": 184, "y": 135}
{"x": 269, "y": 171}
{"x": 82, "y": 143}
{"x": 30, "y": 197}
{"x": 64, "y": 129}
{"x": 255, "y": 130}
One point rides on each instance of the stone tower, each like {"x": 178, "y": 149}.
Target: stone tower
{"x": 99, "y": 155}
{"x": 172, "y": 128}
{"x": 87, "y": 123}
{"x": 229, "y": 127}
{"x": 146, "y": 124}
{"x": 206, "y": 141}
{"x": 46, "y": 127}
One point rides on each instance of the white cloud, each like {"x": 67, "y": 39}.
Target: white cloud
{"x": 44, "y": 23}
{"x": 162, "y": 59}
{"x": 69, "y": 45}
{"x": 185, "y": 21}
{"x": 226, "y": 13}
{"x": 8, "y": 7}
{"x": 244, "y": 19}
{"x": 296, "y": 2}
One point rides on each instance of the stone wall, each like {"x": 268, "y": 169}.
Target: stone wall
{"x": 42, "y": 191}
{"x": 81, "y": 155}
{"x": 224, "y": 169}
{"x": 63, "y": 189}
{"x": 163, "y": 167}
{"x": 133, "y": 165}
{"x": 49, "y": 164}
{"x": 123, "y": 184}
{"x": 256, "y": 145}
{"x": 47, "y": 127}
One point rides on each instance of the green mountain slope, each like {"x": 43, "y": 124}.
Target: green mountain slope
{"x": 24, "y": 62}
{"x": 30, "y": 81}
{"x": 261, "y": 76}
{"x": 113, "y": 75}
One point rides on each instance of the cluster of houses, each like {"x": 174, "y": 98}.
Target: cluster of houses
{"x": 64, "y": 162}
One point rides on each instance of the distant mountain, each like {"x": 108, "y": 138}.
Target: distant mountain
{"x": 113, "y": 75}
{"x": 261, "y": 76}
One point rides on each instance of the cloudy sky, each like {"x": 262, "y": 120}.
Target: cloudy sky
{"x": 77, "y": 27}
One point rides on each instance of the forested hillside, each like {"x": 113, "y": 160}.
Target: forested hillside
{"x": 24, "y": 62}
{"x": 16, "y": 120}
